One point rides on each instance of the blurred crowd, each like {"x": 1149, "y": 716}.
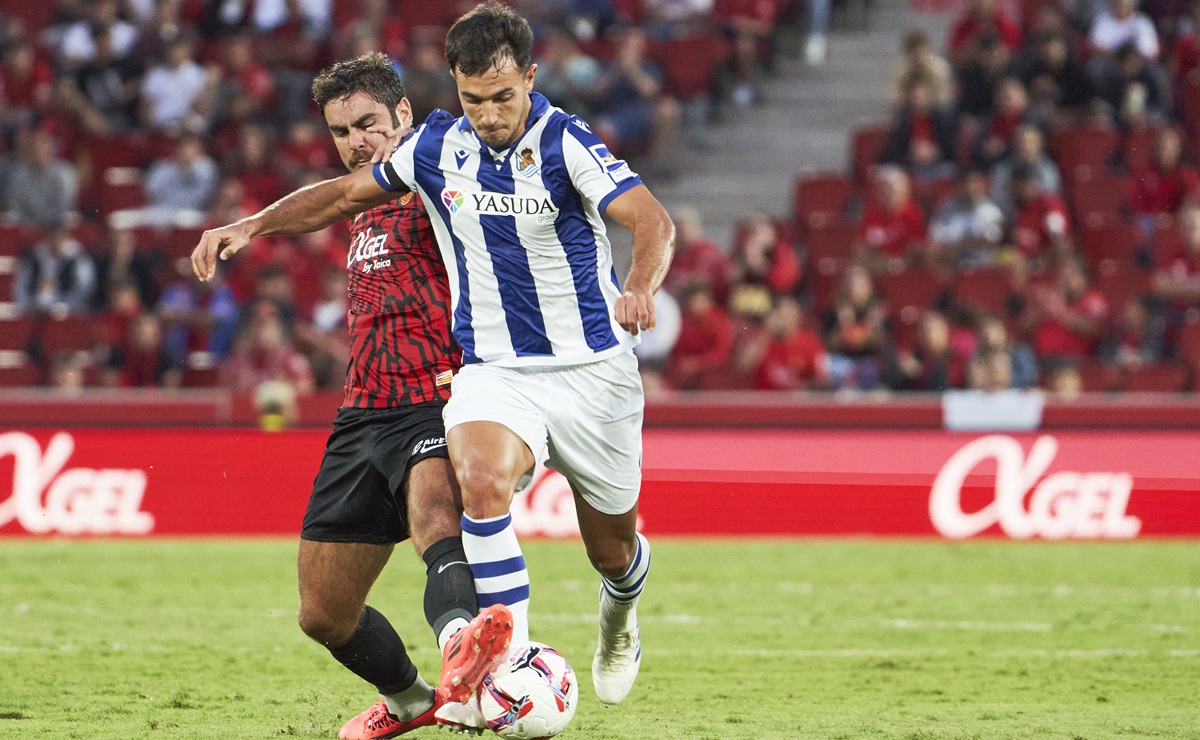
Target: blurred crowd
{"x": 128, "y": 126}
{"x": 1029, "y": 217}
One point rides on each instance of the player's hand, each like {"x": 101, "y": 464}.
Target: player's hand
{"x": 391, "y": 140}
{"x": 634, "y": 311}
{"x": 223, "y": 242}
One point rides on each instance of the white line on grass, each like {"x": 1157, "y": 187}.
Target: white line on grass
{"x": 940, "y": 624}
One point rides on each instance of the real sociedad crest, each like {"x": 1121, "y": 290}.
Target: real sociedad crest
{"x": 526, "y": 165}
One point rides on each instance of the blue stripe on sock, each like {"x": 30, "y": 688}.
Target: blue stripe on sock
{"x": 637, "y": 560}
{"x": 633, "y": 590}
{"x": 498, "y": 567}
{"x": 485, "y": 529}
{"x": 511, "y": 596}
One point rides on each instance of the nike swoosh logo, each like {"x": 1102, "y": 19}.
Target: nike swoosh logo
{"x": 447, "y": 565}
{"x": 460, "y": 157}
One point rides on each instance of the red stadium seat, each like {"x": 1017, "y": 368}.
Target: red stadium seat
{"x": 1085, "y": 151}
{"x": 201, "y": 377}
{"x": 118, "y": 150}
{"x": 823, "y": 284}
{"x": 1163, "y": 377}
{"x": 986, "y": 288}
{"x": 832, "y": 241}
{"x": 1102, "y": 197}
{"x": 16, "y": 333}
{"x": 912, "y": 291}
{"x": 1105, "y": 240}
{"x": 1097, "y": 378}
{"x": 7, "y": 279}
{"x": 417, "y": 13}
{"x": 21, "y": 375}
{"x": 181, "y": 242}
{"x": 820, "y": 198}
{"x": 66, "y": 335}
{"x": 1136, "y": 147}
{"x": 1121, "y": 284}
{"x": 15, "y": 239}
{"x": 120, "y": 196}
{"x": 865, "y": 147}
{"x": 689, "y": 65}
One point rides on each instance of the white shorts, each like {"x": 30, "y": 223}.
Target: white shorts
{"x": 588, "y": 418}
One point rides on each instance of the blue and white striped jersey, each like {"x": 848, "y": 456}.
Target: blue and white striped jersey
{"x": 531, "y": 273}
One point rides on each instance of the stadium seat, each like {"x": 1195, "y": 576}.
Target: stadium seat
{"x": 67, "y": 334}
{"x": 1085, "y": 151}
{"x": 6, "y": 286}
{"x": 1162, "y": 377}
{"x": 823, "y": 283}
{"x": 1095, "y": 377}
{"x": 1121, "y": 283}
{"x": 118, "y": 150}
{"x": 1188, "y": 103}
{"x": 820, "y": 198}
{"x": 832, "y": 241}
{"x": 689, "y": 65}
{"x": 986, "y": 288}
{"x": 15, "y": 333}
{"x": 15, "y": 239}
{"x": 1103, "y": 196}
{"x": 911, "y": 292}
{"x": 119, "y": 193}
{"x": 180, "y": 242}
{"x": 1103, "y": 239}
{"x": 16, "y": 376}
{"x": 417, "y": 13}
{"x": 865, "y": 147}
{"x": 1136, "y": 147}
{"x": 201, "y": 377}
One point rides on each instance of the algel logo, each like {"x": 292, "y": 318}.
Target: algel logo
{"x": 366, "y": 246}
{"x": 46, "y": 498}
{"x": 1063, "y": 505}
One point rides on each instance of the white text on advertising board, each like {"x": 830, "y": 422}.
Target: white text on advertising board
{"x": 49, "y": 498}
{"x": 1065, "y": 504}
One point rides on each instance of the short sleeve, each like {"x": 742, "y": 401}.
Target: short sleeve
{"x": 595, "y": 172}
{"x": 397, "y": 173}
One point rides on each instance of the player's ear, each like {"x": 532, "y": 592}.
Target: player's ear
{"x": 529, "y": 75}
{"x": 404, "y": 114}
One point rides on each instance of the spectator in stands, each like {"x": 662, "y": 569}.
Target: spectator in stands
{"x": 254, "y": 163}
{"x": 231, "y": 203}
{"x": 705, "y": 341}
{"x": 1041, "y": 226}
{"x": 425, "y": 78}
{"x": 26, "y": 85}
{"x": 697, "y": 258}
{"x": 1136, "y": 339}
{"x": 323, "y": 338}
{"x": 273, "y": 286}
{"x": 930, "y": 365}
{"x": 565, "y": 74}
{"x": 979, "y": 75}
{"x": 1133, "y": 90}
{"x": 1064, "y": 382}
{"x": 182, "y": 187}
{"x": 995, "y": 140}
{"x": 1057, "y": 80}
{"x": 1029, "y": 150}
{"x": 922, "y": 136}
{"x": 893, "y": 228}
{"x": 982, "y": 18}
{"x": 663, "y": 19}
{"x": 246, "y": 90}
{"x": 990, "y": 372}
{"x": 854, "y": 331}
{"x": 1177, "y": 279}
{"x": 992, "y": 336}
{"x": 56, "y": 276}
{"x": 1164, "y": 186}
{"x": 142, "y": 362}
{"x": 1122, "y": 24}
{"x": 42, "y": 187}
{"x": 103, "y": 93}
{"x": 124, "y": 264}
{"x": 631, "y": 109}
{"x": 920, "y": 60}
{"x": 201, "y": 316}
{"x": 1067, "y": 319}
{"x": 750, "y": 24}
{"x": 966, "y": 231}
{"x": 266, "y": 353}
{"x": 178, "y": 93}
{"x": 78, "y": 45}
{"x": 787, "y": 355}
{"x": 68, "y": 372}
{"x": 764, "y": 265}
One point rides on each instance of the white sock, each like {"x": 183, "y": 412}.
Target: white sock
{"x": 454, "y": 625}
{"x": 499, "y": 568}
{"x": 624, "y": 591}
{"x": 412, "y": 702}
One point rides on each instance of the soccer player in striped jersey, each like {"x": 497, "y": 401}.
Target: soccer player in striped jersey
{"x": 515, "y": 190}
{"x": 385, "y": 475}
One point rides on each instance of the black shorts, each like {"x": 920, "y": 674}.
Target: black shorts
{"x": 359, "y": 494}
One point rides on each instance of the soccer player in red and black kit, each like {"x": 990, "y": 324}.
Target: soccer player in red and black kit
{"x": 386, "y": 475}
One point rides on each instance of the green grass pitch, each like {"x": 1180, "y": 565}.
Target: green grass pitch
{"x": 742, "y": 639}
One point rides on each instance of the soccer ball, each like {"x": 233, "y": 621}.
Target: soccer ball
{"x": 530, "y": 695}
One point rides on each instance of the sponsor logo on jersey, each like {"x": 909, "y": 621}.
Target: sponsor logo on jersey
{"x": 460, "y": 157}
{"x": 527, "y": 166}
{"x": 368, "y": 250}
{"x": 453, "y": 200}
{"x": 1065, "y": 504}
{"x": 49, "y": 497}
{"x": 429, "y": 444}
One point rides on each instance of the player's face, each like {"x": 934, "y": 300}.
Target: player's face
{"x": 496, "y": 103}
{"x": 348, "y": 120}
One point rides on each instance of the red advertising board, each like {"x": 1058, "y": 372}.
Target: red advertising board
{"x": 1074, "y": 484}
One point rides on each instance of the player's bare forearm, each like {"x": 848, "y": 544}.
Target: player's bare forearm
{"x": 308, "y": 209}
{"x": 653, "y": 246}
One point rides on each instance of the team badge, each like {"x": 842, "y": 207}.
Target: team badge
{"x": 453, "y": 200}
{"x": 527, "y": 166}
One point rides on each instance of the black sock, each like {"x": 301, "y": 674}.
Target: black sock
{"x": 449, "y": 585}
{"x": 376, "y": 654}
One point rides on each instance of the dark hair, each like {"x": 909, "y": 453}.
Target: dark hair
{"x": 371, "y": 74}
{"x": 488, "y": 36}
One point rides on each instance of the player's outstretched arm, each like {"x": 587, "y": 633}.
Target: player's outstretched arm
{"x": 653, "y": 244}
{"x": 310, "y": 208}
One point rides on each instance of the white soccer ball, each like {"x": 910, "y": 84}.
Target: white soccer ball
{"x": 530, "y": 695}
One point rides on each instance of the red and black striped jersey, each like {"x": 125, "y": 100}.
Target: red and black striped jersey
{"x": 401, "y": 351}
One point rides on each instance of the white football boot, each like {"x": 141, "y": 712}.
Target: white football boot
{"x": 619, "y": 650}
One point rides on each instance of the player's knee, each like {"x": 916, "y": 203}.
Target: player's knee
{"x": 613, "y": 558}
{"x": 486, "y": 490}
{"x": 324, "y": 627}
